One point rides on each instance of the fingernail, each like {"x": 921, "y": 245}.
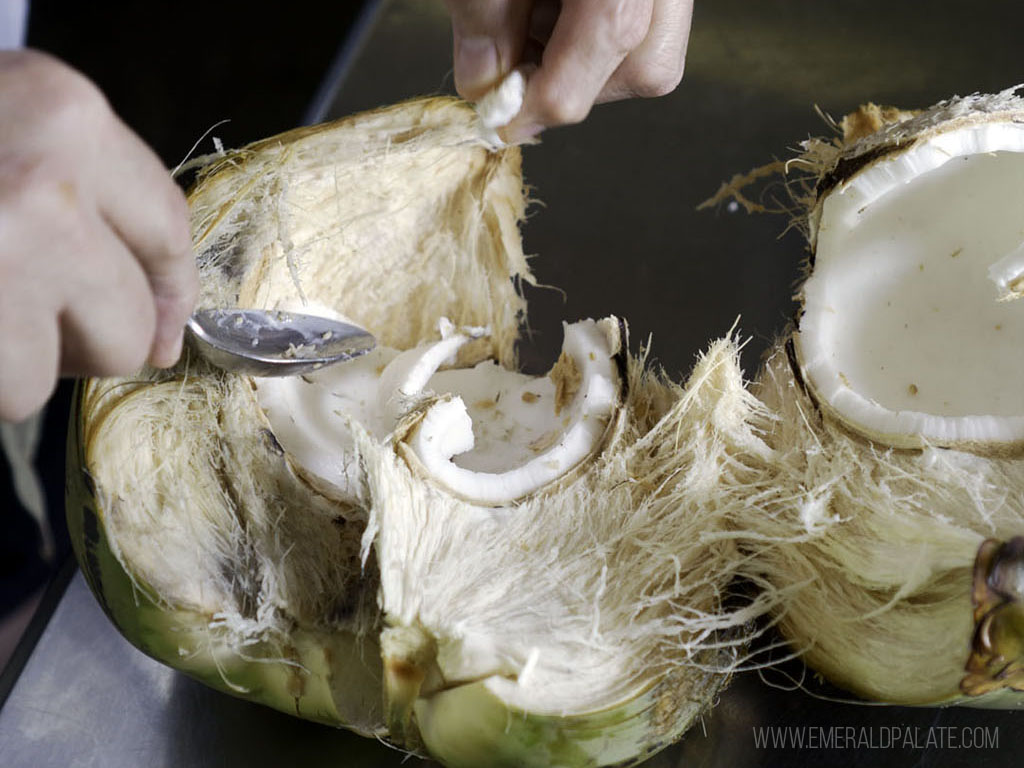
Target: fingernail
{"x": 520, "y": 133}
{"x": 476, "y": 65}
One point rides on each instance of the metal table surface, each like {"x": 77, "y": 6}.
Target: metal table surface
{"x": 618, "y": 232}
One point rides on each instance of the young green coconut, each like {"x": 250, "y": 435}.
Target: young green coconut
{"x": 894, "y": 501}
{"x": 423, "y": 544}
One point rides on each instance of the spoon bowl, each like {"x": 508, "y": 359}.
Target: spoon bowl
{"x": 257, "y": 342}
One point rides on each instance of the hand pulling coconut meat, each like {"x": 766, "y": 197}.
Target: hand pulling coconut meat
{"x": 423, "y": 545}
{"x": 896, "y": 471}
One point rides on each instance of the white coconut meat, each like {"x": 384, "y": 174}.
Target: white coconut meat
{"x": 498, "y": 106}
{"x": 491, "y": 436}
{"x": 905, "y": 335}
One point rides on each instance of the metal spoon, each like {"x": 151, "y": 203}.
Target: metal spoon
{"x": 258, "y": 342}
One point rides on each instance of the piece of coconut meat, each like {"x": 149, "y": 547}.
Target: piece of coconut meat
{"x": 487, "y": 434}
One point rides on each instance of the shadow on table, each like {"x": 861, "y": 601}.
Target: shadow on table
{"x": 209, "y": 728}
{"x": 753, "y": 724}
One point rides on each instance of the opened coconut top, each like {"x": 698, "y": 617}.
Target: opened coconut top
{"x": 907, "y": 334}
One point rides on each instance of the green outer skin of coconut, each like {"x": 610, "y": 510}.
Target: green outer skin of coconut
{"x": 306, "y": 686}
{"x": 469, "y": 726}
{"x": 1004, "y": 698}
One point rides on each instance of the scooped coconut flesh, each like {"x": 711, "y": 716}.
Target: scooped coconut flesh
{"x": 896, "y": 488}
{"x": 423, "y": 545}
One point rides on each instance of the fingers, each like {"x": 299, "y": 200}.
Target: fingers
{"x": 586, "y": 52}
{"x": 489, "y": 38}
{"x": 590, "y": 39}
{"x": 148, "y": 211}
{"x": 29, "y": 360}
{"x": 96, "y": 270}
{"x": 108, "y": 317}
{"x": 73, "y": 299}
{"x": 66, "y": 120}
{"x": 655, "y": 67}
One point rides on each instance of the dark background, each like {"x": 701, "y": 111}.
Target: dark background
{"x": 171, "y": 71}
{"x": 618, "y": 230}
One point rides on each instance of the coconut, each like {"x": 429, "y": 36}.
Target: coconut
{"x": 888, "y": 511}
{"x": 424, "y": 544}
{"x": 877, "y": 550}
{"x": 907, "y": 335}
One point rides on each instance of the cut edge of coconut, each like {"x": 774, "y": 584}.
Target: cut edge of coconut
{"x": 588, "y": 387}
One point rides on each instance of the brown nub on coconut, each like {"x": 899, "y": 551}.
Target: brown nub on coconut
{"x": 997, "y": 650}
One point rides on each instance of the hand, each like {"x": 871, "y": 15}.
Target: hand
{"x": 587, "y": 51}
{"x": 97, "y": 274}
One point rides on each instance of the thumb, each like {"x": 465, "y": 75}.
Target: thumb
{"x": 489, "y": 36}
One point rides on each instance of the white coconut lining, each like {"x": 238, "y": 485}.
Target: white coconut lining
{"x": 903, "y": 335}
{"x": 490, "y": 434}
